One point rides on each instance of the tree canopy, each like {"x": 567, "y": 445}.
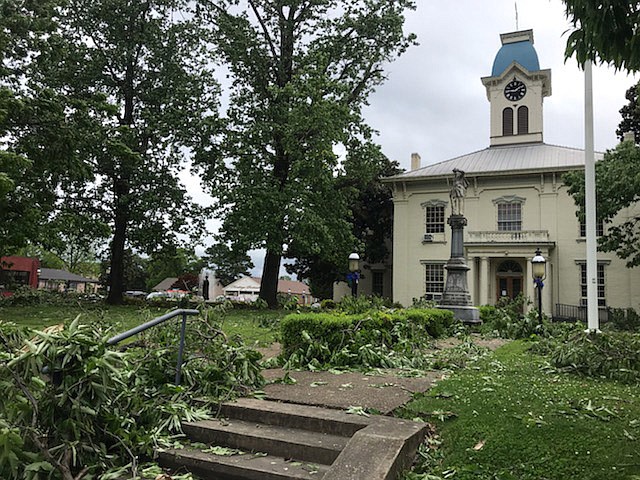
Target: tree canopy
{"x": 617, "y": 189}
{"x": 131, "y": 90}
{"x": 28, "y": 180}
{"x": 605, "y": 31}
{"x": 301, "y": 72}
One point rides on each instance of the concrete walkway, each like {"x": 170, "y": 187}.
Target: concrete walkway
{"x": 383, "y": 390}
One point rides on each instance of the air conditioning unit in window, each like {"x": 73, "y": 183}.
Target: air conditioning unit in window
{"x": 427, "y": 237}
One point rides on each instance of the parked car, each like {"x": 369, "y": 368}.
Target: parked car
{"x": 135, "y": 293}
{"x": 171, "y": 294}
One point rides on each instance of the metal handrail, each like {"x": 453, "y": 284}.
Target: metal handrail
{"x": 156, "y": 321}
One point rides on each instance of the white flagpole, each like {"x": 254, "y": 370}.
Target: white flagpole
{"x": 590, "y": 202}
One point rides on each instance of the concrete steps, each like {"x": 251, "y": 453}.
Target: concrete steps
{"x": 239, "y": 467}
{"x": 303, "y": 445}
{"x": 287, "y": 441}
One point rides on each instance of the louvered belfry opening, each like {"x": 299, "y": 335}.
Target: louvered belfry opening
{"x": 523, "y": 120}
{"x": 507, "y": 121}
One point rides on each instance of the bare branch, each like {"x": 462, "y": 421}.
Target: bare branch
{"x": 265, "y": 30}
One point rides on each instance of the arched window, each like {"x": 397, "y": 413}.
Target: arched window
{"x": 523, "y": 120}
{"x": 507, "y": 121}
{"x": 509, "y": 266}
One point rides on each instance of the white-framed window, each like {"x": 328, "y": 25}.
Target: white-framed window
{"x": 434, "y": 215}
{"x": 600, "y": 274}
{"x": 509, "y": 213}
{"x": 509, "y": 217}
{"x": 434, "y": 280}
{"x": 599, "y": 228}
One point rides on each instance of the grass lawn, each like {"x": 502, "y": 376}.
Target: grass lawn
{"x": 255, "y": 326}
{"x": 509, "y": 416}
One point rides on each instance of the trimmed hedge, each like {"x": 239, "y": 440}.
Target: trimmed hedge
{"x": 331, "y": 333}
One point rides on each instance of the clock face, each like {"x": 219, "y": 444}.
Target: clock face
{"x": 515, "y": 90}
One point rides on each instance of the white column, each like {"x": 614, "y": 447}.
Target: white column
{"x": 484, "y": 281}
{"x": 471, "y": 279}
{"x": 532, "y": 292}
{"x": 547, "y": 294}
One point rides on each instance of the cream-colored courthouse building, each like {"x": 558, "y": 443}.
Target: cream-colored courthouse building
{"x": 515, "y": 203}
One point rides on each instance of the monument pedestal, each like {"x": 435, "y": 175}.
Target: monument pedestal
{"x": 456, "y": 296}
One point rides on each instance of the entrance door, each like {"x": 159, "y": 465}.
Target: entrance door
{"x": 509, "y": 287}
{"x": 509, "y": 280}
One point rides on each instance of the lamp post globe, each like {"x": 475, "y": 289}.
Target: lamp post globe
{"x": 354, "y": 276}
{"x": 539, "y": 272}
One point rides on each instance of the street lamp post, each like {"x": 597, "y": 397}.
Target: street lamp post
{"x": 354, "y": 276}
{"x": 539, "y": 269}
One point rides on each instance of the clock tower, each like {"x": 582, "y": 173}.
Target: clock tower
{"x": 515, "y": 90}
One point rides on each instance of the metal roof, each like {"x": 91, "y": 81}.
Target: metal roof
{"x": 501, "y": 159}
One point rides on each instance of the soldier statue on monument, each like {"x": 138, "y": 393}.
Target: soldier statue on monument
{"x": 458, "y": 190}
{"x": 456, "y": 296}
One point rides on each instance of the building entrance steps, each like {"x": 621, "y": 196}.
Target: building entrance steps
{"x": 289, "y": 441}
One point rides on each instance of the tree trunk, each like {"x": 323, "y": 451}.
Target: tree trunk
{"x": 269, "y": 282}
{"x": 116, "y": 278}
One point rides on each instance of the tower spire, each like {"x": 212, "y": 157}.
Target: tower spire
{"x": 516, "y": 5}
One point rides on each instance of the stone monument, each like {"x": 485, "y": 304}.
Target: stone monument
{"x": 456, "y": 296}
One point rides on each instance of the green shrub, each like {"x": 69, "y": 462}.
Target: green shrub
{"x": 487, "y": 313}
{"x": 328, "y": 304}
{"x": 506, "y": 319}
{"x": 423, "y": 303}
{"x": 25, "y": 295}
{"x": 614, "y": 355}
{"x": 434, "y": 320}
{"x": 374, "y": 340}
{"x": 360, "y": 304}
{"x": 623, "y": 319}
{"x": 334, "y": 329}
{"x": 287, "y": 302}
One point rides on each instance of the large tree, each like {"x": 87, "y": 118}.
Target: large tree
{"x": 630, "y": 114}
{"x": 605, "y": 30}
{"x": 28, "y": 182}
{"x": 229, "y": 263}
{"x": 141, "y": 68}
{"x": 617, "y": 188}
{"x": 370, "y": 219}
{"x": 301, "y": 71}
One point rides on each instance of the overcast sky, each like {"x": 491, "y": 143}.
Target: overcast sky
{"x": 434, "y": 103}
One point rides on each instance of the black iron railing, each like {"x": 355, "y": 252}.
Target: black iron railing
{"x": 157, "y": 321}
{"x": 574, "y": 313}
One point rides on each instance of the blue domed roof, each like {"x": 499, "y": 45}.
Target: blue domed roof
{"x": 520, "y": 52}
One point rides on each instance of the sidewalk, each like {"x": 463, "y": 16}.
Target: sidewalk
{"x": 383, "y": 390}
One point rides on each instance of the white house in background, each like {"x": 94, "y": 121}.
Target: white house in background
{"x": 516, "y": 202}
{"x": 63, "y": 281}
{"x": 246, "y": 289}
